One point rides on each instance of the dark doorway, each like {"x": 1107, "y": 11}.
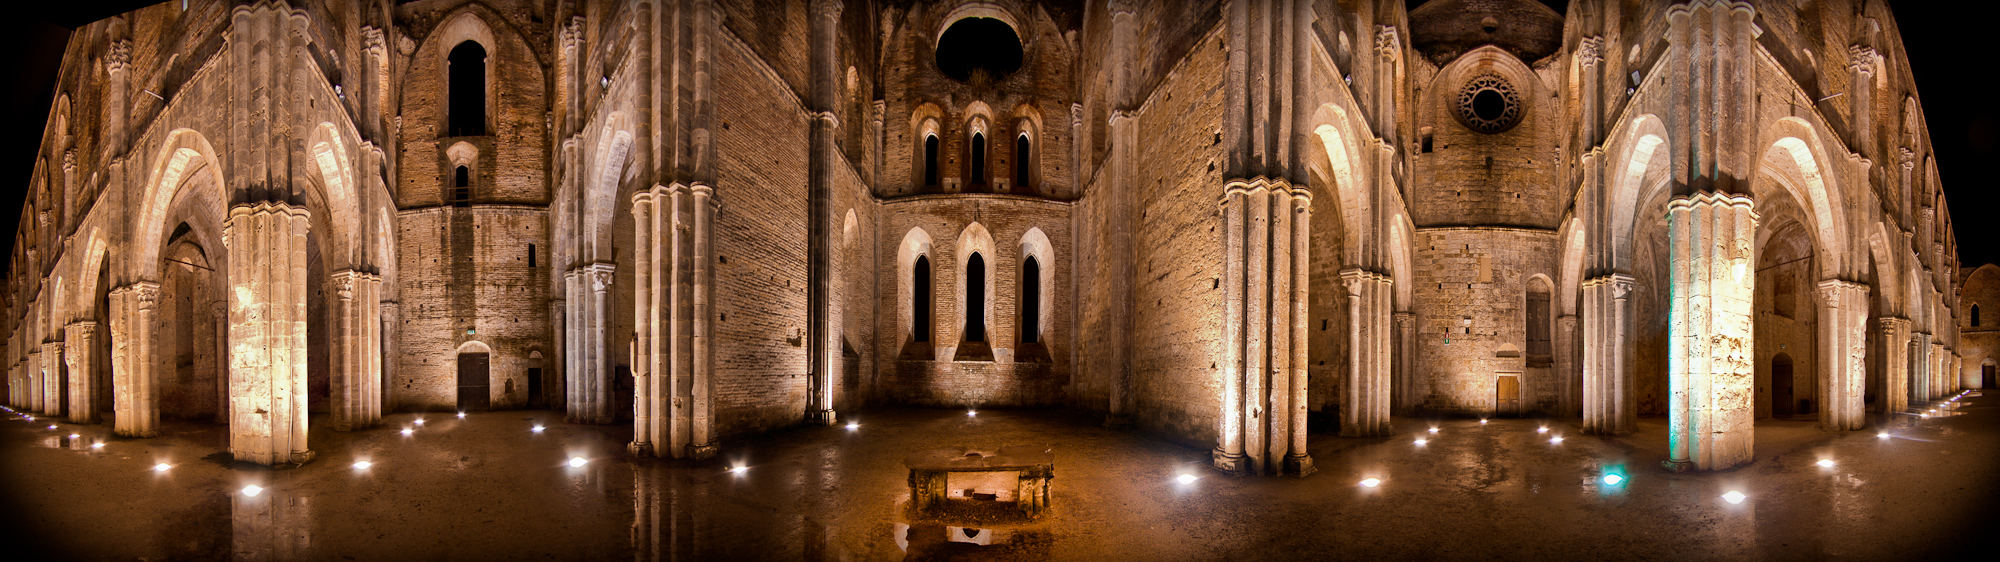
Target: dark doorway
{"x": 474, "y": 392}
{"x": 1986, "y": 376}
{"x": 535, "y": 387}
{"x": 467, "y": 67}
{"x": 1781, "y": 386}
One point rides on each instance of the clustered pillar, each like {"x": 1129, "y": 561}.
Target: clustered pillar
{"x": 52, "y": 379}
{"x": 267, "y": 332}
{"x": 1843, "y": 345}
{"x": 1709, "y": 331}
{"x": 1920, "y": 367}
{"x": 1267, "y": 224}
{"x": 1608, "y": 405}
{"x": 134, "y": 406}
{"x": 589, "y": 386}
{"x": 1895, "y": 364}
{"x": 672, "y": 359}
{"x": 357, "y": 380}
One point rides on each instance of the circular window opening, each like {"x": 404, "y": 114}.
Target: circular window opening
{"x": 978, "y": 46}
{"x": 1488, "y": 104}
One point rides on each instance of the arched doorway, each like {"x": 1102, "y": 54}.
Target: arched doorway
{"x": 475, "y": 381}
{"x": 1783, "y": 400}
{"x": 192, "y": 336}
{"x": 1986, "y": 375}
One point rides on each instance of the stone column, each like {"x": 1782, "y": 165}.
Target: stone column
{"x": 644, "y": 394}
{"x": 1843, "y": 319}
{"x": 1939, "y": 378}
{"x": 1861, "y": 97}
{"x": 52, "y": 379}
{"x": 597, "y": 403}
{"x": 1266, "y": 229}
{"x": 1405, "y": 381}
{"x": 1709, "y": 334}
{"x": 1568, "y": 372}
{"x": 392, "y": 317}
{"x": 1364, "y": 406}
{"x": 36, "y": 375}
{"x": 1920, "y": 371}
{"x": 573, "y": 346}
{"x": 823, "y": 238}
{"x": 1608, "y": 403}
{"x": 267, "y": 333}
{"x": 357, "y": 354}
{"x": 1121, "y": 203}
{"x": 701, "y": 438}
{"x": 134, "y": 404}
{"x": 1895, "y": 333}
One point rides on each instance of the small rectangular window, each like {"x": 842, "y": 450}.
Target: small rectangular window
{"x": 531, "y": 255}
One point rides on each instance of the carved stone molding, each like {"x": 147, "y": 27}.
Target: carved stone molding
{"x": 1388, "y": 43}
{"x": 118, "y": 56}
{"x": 1590, "y": 51}
{"x": 1861, "y": 60}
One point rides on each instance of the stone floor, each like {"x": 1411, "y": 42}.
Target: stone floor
{"x": 488, "y": 487}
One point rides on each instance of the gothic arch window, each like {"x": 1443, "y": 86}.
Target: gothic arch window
{"x": 930, "y": 160}
{"x": 920, "y": 300}
{"x": 975, "y": 297}
{"x": 976, "y": 169}
{"x": 1539, "y": 353}
{"x": 1024, "y": 158}
{"x": 1031, "y": 300}
{"x": 466, "y": 67}
{"x": 1975, "y": 316}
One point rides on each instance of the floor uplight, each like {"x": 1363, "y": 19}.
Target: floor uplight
{"x": 1421, "y": 442}
{"x": 971, "y": 413}
{"x": 74, "y": 435}
{"x": 1825, "y": 463}
{"x": 1542, "y": 429}
{"x": 162, "y": 467}
{"x": 97, "y": 445}
{"x": 1186, "y": 479}
{"x": 362, "y": 465}
{"x": 1482, "y": 421}
{"x": 851, "y": 426}
{"x": 739, "y": 470}
{"x": 1733, "y": 497}
{"x": 1882, "y": 435}
{"x": 538, "y": 428}
{"x": 52, "y": 426}
{"x": 1370, "y": 482}
{"x": 1434, "y": 429}
{"x": 252, "y": 490}
{"x": 461, "y": 415}
{"x": 1612, "y": 479}
{"x": 407, "y": 432}
{"x": 420, "y": 422}
{"x": 577, "y": 462}
{"x": 1556, "y": 440}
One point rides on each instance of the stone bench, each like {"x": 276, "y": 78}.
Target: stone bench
{"x": 929, "y": 471}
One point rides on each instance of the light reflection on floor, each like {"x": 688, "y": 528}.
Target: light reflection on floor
{"x": 486, "y": 486}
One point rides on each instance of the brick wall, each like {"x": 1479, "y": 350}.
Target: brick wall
{"x": 1471, "y": 292}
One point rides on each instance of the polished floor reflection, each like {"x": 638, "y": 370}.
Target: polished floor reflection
{"x": 488, "y": 486}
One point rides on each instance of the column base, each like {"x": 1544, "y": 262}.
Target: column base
{"x": 639, "y": 448}
{"x": 1229, "y": 463}
{"x": 701, "y": 452}
{"x": 136, "y": 434}
{"x": 1117, "y": 421}
{"x": 1300, "y": 464}
{"x": 278, "y": 460}
{"x": 821, "y": 417}
{"x": 1678, "y": 466}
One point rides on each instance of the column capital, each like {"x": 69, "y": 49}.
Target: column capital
{"x": 343, "y": 283}
{"x": 118, "y": 56}
{"x": 1590, "y": 51}
{"x": 600, "y": 275}
{"x": 1892, "y": 323}
{"x": 1404, "y": 319}
{"x": 571, "y": 34}
{"x": 1122, "y": 7}
{"x": 69, "y": 160}
{"x": 1388, "y": 42}
{"x": 1861, "y": 60}
{"x": 828, "y": 9}
{"x": 1832, "y": 291}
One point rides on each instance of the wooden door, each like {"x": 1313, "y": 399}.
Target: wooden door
{"x": 1507, "y": 395}
{"x": 473, "y": 385}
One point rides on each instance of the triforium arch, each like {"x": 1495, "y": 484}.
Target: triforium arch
{"x": 916, "y": 294}
{"x": 973, "y": 270}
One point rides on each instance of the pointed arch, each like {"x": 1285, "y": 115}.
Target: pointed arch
{"x": 185, "y": 161}
{"x": 1035, "y": 246}
{"x": 915, "y": 247}
{"x": 607, "y": 170}
{"x": 333, "y": 168}
{"x": 974, "y": 240}
{"x": 1794, "y": 158}
{"x": 1638, "y": 174}
{"x": 1339, "y": 159}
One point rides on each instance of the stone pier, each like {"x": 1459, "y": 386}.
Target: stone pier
{"x": 1608, "y": 401}
{"x": 1266, "y": 229}
{"x": 357, "y": 356}
{"x": 1710, "y": 407}
{"x": 1843, "y": 347}
{"x": 267, "y": 333}
{"x": 671, "y": 357}
{"x": 134, "y": 401}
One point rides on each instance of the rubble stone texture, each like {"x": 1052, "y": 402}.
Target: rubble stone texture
{"x": 707, "y": 219}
